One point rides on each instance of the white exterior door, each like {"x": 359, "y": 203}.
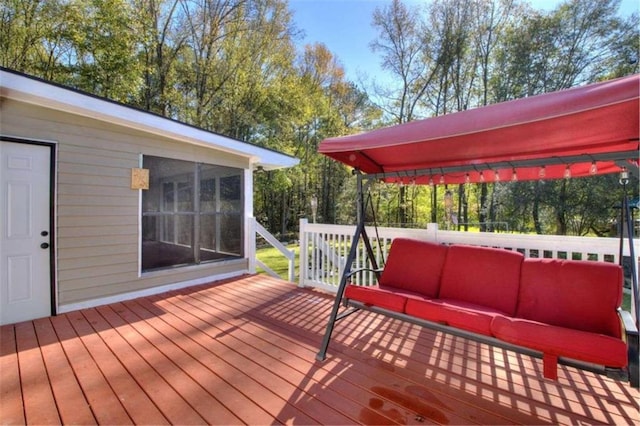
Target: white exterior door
{"x": 25, "y": 269}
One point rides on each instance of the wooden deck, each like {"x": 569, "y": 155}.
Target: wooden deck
{"x": 243, "y": 351}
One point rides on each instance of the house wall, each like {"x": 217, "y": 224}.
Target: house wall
{"x": 97, "y": 239}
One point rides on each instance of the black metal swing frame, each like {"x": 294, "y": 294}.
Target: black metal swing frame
{"x": 630, "y": 373}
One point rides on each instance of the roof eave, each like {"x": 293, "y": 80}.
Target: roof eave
{"x": 38, "y": 92}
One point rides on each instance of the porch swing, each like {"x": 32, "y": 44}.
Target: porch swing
{"x": 584, "y": 131}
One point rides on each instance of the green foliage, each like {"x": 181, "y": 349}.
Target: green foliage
{"x": 233, "y": 67}
{"x": 470, "y": 53}
{"x": 581, "y": 41}
{"x": 86, "y": 44}
{"x": 584, "y": 206}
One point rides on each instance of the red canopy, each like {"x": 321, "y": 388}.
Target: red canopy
{"x": 593, "y": 129}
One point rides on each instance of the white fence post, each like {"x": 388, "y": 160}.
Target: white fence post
{"x": 304, "y": 255}
{"x": 252, "y": 245}
{"x": 432, "y": 232}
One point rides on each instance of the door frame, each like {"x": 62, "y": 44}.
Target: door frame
{"x": 52, "y": 223}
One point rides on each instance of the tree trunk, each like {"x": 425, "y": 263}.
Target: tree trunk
{"x": 402, "y": 207}
{"x": 536, "y": 209}
{"x": 492, "y": 210}
{"x": 482, "y": 216}
{"x": 561, "y": 210}
{"x": 463, "y": 208}
{"x": 434, "y": 205}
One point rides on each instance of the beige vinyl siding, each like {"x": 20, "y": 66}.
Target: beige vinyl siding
{"x": 97, "y": 214}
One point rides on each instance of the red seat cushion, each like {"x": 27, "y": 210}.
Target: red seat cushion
{"x": 483, "y": 276}
{"x": 463, "y": 315}
{"x": 561, "y": 341}
{"x": 376, "y": 296}
{"x": 415, "y": 266}
{"x": 576, "y": 294}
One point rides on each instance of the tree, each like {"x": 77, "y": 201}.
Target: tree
{"x": 575, "y": 44}
{"x": 232, "y": 66}
{"x": 402, "y": 46}
{"x": 34, "y": 35}
{"x": 580, "y": 41}
{"x": 103, "y": 43}
{"x": 332, "y": 106}
{"x": 204, "y": 70}
{"x": 162, "y": 40}
{"x": 86, "y": 44}
{"x": 402, "y": 43}
{"x": 624, "y": 58}
{"x": 451, "y": 28}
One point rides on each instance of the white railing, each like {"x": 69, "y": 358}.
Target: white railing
{"x": 257, "y": 229}
{"x": 324, "y": 248}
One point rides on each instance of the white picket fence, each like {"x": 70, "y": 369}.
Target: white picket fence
{"x": 324, "y": 248}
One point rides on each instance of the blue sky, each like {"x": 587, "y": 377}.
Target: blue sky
{"x": 344, "y": 26}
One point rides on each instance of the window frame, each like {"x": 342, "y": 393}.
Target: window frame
{"x": 199, "y": 171}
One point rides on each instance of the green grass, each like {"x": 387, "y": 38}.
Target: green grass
{"x": 626, "y": 302}
{"x": 275, "y": 260}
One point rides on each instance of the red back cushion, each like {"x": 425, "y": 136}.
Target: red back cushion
{"x": 581, "y": 295}
{"x": 415, "y": 266}
{"x": 483, "y": 276}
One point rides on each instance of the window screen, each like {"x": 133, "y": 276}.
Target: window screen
{"x": 192, "y": 213}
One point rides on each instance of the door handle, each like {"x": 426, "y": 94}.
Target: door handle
{"x": 44, "y": 245}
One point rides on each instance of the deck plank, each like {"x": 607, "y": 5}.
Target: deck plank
{"x": 70, "y": 400}
{"x": 367, "y": 390}
{"x": 158, "y": 379}
{"x": 371, "y": 375}
{"x": 11, "y": 406}
{"x": 257, "y": 371}
{"x": 242, "y": 351}
{"x": 135, "y": 386}
{"x": 38, "y": 399}
{"x": 222, "y": 362}
{"x": 221, "y": 396}
{"x": 105, "y": 404}
{"x": 264, "y": 350}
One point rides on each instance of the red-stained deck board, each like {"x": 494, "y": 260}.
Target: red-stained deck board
{"x": 163, "y": 384}
{"x": 133, "y": 388}
{"x": 39, "y": 403}
{"x": 243, "y": 351}
{"x": 278, "y": 348}
{"x": 105, "y": 404}
{"x": 224, "y": 364}
{"x": 71, "y": 402}
{"x": 341, "y": 394}
{"x": 264, "y": 379}
{"x": 324, "y": 404}
{"x": 217, "y": 398}
{"x": 384, "y": 383}
{"x": 11, "y": 405}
